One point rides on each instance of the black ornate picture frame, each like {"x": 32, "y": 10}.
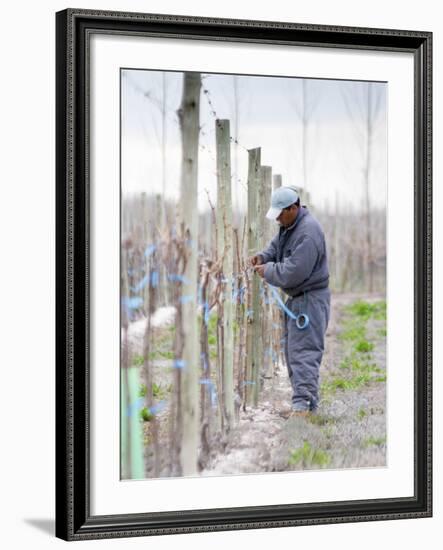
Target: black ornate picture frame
{"x": 74, "y": 28}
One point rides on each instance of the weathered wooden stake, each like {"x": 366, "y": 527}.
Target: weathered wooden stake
{"x": 225, "y": 247}
{"x": 268, "y": 230}
{"x": 189, "y": 116}
{"x": 276, "y": 181}
{"x": 254, "y": 316}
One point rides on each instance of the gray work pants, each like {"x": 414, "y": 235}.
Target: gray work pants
{"x": 304, "y": 348}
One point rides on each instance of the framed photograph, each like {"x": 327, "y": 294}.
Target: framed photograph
{"x": 244, "y": 274}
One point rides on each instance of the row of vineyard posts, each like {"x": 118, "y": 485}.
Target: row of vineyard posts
{"x": 227, "y": 321}
{"x": 204, "y": 275}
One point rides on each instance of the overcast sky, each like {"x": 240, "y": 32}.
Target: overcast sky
{"x": 268, "y": 117}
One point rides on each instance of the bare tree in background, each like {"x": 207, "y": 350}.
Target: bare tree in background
{"x": 304, "y": 102}
{"x": 237, "y": 101}
{"x": 161, "y": 105}
{"x": 363, "y": 104}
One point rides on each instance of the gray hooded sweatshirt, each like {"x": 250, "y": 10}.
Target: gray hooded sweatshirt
{"x": 296, "y": 258}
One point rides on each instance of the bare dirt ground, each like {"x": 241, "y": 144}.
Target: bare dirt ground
{"x": 349, "y": 430}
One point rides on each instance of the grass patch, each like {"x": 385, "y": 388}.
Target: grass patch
{"x": 138, "y": 360}
{"x": 212, "y": 324}
{"x": 161, "y": 354}
{"x": 309, "y": 456}
{"x": 319, "y": 420}
{"x": 352, "y": 331}
{"x": 161, "y": 347}
{"x": 329, "y": 387}
{"x": 357, "y": 370}
{"x": 146, "y": 415}
{"x": 158, "y": 390}
{"x": 356, "y": 365}
{"x": 212, "y": 335}
{"x": 361, "y": 414}
{"x": 363, "y": 346}
{"x": 379, "y": 310}
{"x": 328, "y": 432}
{"x": 366, "y": 310}
{"x": 352, "y": 362}
{"x": 163, "y": 338}
{"x": 352, "y": 383}
{"x": 374, "y": 441}
{"x": 359, "y": 374}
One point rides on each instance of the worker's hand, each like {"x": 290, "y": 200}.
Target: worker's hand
{"x": 254, "y": 260}
{"x": 260, "y": 270}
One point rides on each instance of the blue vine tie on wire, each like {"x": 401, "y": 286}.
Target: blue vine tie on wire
{"x": 301, "y": 321}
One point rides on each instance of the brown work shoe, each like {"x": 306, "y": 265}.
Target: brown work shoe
{"x": 284, "y": 413}
{"x": 290, "y": 413}
{"x": 299, "y": 414}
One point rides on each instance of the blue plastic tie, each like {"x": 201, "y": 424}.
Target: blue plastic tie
{"x": 158, "y": 407}
{"x": 178, "y": 278}
{"x": 213, "y": 395}
{"x": 150, "y": 249}
{"x": 207, "y": 312}
{"x": 133, "y": 407}
{"x": 132, "y": 303}
{"x": 154, "y": 279}
{"x": 205, "y": 360}
{"x": 141, "y": 284}
{"x": 179, "y": 363}
{"x": 282, "y": 304}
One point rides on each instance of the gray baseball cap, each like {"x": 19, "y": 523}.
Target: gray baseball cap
{"x": 281, "y": 198}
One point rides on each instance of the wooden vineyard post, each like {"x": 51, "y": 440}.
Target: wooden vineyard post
{"x": 159, "y": 233}
{"x": 148, "y": 369}
{"x": 189, "y": 116}
{"x": 277, "y": 314}
{"x": 225, "y": 248}
{"x": 305, "y": 197}
{"x": 240, "y": 318}
{"x": 253, "y": 337}
{"x": 276, "y": 181}
{"x": 265, "y": 201}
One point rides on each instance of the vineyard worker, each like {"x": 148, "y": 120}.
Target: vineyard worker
{"x": 296, "y": 261}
